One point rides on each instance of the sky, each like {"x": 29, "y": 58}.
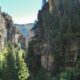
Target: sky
{"x": 22, "y": 11}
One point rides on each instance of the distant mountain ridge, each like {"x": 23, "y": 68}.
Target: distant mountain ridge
{"x": 24, "y": 28}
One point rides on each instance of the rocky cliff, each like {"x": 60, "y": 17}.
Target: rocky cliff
{"x": 6, "y": 29}
{"x": 9, "y": 26}
{"x": 55, "y": 46}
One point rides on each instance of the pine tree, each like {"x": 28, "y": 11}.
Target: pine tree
{"x": 3, "y": 66}
{"x": 10, "y": 71}
{"x": 12, "y": 65}
{"x": 22, "y": 69}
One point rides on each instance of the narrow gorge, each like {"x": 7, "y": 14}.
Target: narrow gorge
{"x": 48, "y": 49}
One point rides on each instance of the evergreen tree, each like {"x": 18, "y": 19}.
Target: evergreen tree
{"x": 22, "y": 69}
{"x": 10, "y": 71}
{"x": 12, "y": 65}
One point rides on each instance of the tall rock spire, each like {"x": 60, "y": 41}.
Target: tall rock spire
{"x": 43, "y": 2}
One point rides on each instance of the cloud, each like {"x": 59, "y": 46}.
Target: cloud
{"x": 24, "y": 19}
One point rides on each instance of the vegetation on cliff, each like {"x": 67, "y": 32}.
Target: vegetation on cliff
{"x": 56, "y": 41}
{"x": 12, "y": 64}
{"x": 54, "y": 51}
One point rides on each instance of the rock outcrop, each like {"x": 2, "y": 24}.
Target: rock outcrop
{"x": 3, "y": 31}
{"x": 7, "y": 30}
{"x": 9, "y": 26}
{"x": 57, "y": 36}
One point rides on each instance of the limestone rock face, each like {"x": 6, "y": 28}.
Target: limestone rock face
{"x": 3, "y": 31}
{"x": 57, "y": 35}
{"x": 9, "y": 26}
{"x": 6, "y": 29}
{"x": 53, "y": 4}
{"x": 51, "y": 7}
